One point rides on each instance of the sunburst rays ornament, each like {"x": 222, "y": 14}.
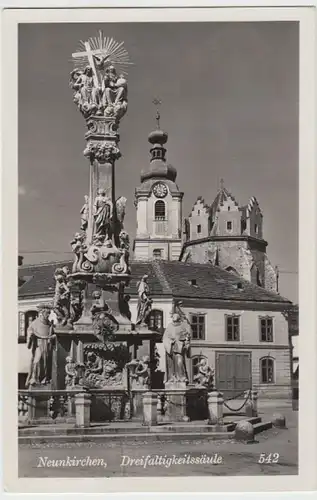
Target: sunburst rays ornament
{"x": 100, "y": 52}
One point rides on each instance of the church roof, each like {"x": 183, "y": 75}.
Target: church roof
{"x": 166, "y": 278}
{"x": 222, "y": 196}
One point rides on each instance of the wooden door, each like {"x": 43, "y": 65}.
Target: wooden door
{"x": 233, "y": 372}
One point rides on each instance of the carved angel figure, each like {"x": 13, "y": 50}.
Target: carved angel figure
{"x": 84, "y": 214}
{"x": 120, "y": 209}
{"x": 205, "y": 375}
{"x": 62, "y": 297}
{"x": 71, "y": 378}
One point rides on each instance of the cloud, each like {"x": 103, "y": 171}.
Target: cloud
{"x": 22, "y": 190}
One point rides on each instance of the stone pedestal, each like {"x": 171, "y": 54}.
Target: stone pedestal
{"x": 175, "y": 405}
{"x": 251, "y": 407}
{"x": 150, "y": 408}
{"x": 215, "y": 407}
{"x": 82, "y": 404}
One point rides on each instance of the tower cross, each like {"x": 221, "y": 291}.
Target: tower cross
{"x": 157, "y": 103}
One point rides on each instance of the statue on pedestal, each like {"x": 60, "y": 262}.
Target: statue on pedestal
{"x": 144, "y": 301}
{"x": 102, "y": 213}
{"x": 176, "y": 341}
{"x": 40, "y": 341}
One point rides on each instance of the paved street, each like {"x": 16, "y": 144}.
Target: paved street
{"x": 236, "y": 458}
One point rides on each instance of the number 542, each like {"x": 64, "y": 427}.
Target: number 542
{"x": 271, "y": 458}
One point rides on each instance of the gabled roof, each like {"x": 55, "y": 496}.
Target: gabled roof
{"x": 166, "y": 278}
{"x": 222, "y": 196}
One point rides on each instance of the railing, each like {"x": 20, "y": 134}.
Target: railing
{"x": 44, "y": 406}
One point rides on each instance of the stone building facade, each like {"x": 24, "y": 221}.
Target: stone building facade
{"x": 229, "y": 236}
{"x": 240, "y": 328}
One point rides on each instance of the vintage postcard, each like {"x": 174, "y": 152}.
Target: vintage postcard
{"x": 164, "y": 166}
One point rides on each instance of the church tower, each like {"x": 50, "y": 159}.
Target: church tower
{"x": 158, "y": 202}
{"x": 230, "y": 236}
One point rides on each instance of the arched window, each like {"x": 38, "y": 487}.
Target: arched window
{"x": 155, "y": 320}
{"x": 159, "y": 210}
{"x": 195, "y": 362}
{"x": 25, "y": 319}
{"x": 267, "y": 370}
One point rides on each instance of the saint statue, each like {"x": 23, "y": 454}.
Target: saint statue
{"x": 40, "y": 342}
{"x": 87, "y": 96}
{"x": 102, "y": 213}
{"x": 176, "y": 341}
{"x": 84, "y": 214}
{"x": 144, "y": 301}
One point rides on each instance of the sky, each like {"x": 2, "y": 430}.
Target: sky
{"x": 229, "y": 96}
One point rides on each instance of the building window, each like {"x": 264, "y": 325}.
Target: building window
{"x": 267, "y": 370}
{"x": 228, "y": 209}
{"x": 255, "y": 228}
{"x": 229, "y": 225}
{"x": 198, "y": 326}
{"x": 199, "y": 228}
{"x": 266, "y": 329}
{"x": 155, "y": 320}
{"x": 198, "y": 212}
{"x": 157, "y": 253}
{"x": 233, "y": 328}
{"x": 195, "y": 363}
{"x": 25, "y": 319}
{"x": 159, "y": 210}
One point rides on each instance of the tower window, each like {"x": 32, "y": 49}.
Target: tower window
{"x": 198, "y": 212}
{"x": 159, "y": 210}
{"x": 157, "y": 253}
{"x": 229, "y": 225}
{"x": 199, "y": 228}
{"x": 255, "y": 228}
{"x": 228, "y": 209}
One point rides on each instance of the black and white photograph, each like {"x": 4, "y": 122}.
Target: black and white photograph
{"x": 158, "y": 302}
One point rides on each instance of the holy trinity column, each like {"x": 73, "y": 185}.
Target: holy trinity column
{"x": 101, "y": 246}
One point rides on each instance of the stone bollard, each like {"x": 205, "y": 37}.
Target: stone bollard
{"x": 251, "y": 407}
{"x": 278, "y": 420}
{"x": 82, "y": 405}
{"x": 244, "y": 431}
{"x": 215, "y": 407}
{"x": 150, "y": 408}
{"x": 254, "y": 399}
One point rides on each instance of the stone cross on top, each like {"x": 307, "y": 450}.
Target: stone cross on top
{"x": 105, "y": 49}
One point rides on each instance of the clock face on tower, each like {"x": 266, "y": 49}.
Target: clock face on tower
{"x": 160, "y": 190}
